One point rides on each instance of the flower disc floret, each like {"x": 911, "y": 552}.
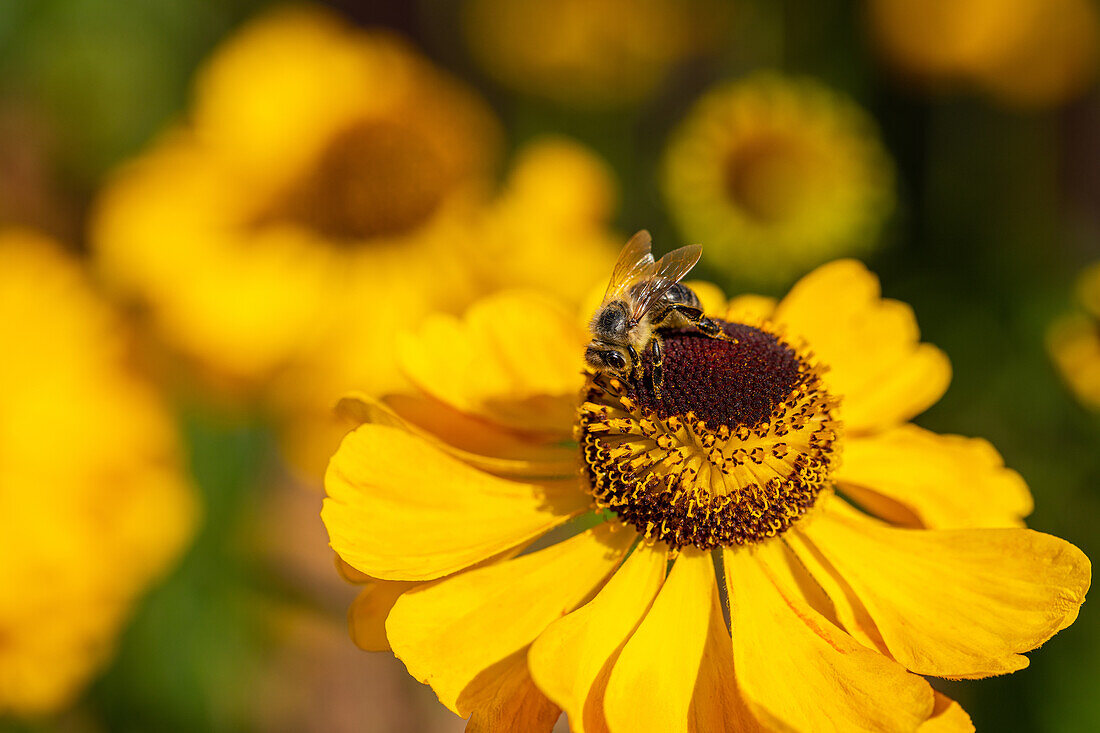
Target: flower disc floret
{"x": 737, "y": 447}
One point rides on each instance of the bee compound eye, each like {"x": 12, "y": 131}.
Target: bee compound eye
{"x": 615, "y": 360}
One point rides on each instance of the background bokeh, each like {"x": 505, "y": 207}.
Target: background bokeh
{"x": 969, "y": 139}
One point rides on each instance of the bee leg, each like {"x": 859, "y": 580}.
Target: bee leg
{"x": 637, "y": 370}
{"x": 656, "y": 366}
{"x": 707, "y": 326}
{"x": 712, "y": 329}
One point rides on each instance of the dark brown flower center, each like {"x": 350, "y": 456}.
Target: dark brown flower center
{"x": 720, "y": 382}
{"x": 736, "y": 449}
{"x": 375, "y": 179}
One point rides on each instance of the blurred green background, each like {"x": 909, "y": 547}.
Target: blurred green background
{"x": 999, "y": 208}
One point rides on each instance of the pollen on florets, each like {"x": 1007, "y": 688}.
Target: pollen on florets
{"x": 736, "y": 449}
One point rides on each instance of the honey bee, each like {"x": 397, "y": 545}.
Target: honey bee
{"x": 644, "y": 299}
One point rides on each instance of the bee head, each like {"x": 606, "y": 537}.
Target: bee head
{"x": 607, "y": 358}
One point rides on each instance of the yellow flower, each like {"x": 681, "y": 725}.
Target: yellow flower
{"x": 322, "y": 162}
{"x": 93, "y": 506}
{"x": 777, "y": 176}
{"x": 1025, "y": 52}
{"x": 465, "y": 509}
{"x": 1074, "y": 342}
{"x": 590, "y": 53}
{"x": 332, "y": 187}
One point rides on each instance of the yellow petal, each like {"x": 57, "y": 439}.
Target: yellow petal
{"x": 869, "y": 344}
{"x": 572, "y": 660}
{"x": 1074, "y": 345}
{"x": 844, "y": 607}
{"x": 458, "y": 632}
{"x": 515, "y": 704}
{"x": 400, "y": 509}
{"x": 947, "y": 717}
{"x": 476, "y": 442}
{"x": 516, "y": 358}
{"x": 368, "y": 612}
{"x": 941, "y": 481}
{"x": 348, "y": 573}
{"x": 954, "y": 603}
{"x": 750, "y": 309}
{"x": 716, "y": 703}
{"x": 653, "y": 679}
{"x": 797, "y": 671}
{"x": 474, "y": 434}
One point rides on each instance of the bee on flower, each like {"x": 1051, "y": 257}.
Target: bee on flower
{"x": 645, "y": 299}
{"x": 767, "y": 542}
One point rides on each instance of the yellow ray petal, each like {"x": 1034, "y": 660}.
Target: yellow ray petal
{"x": 458, "y": 632}
{"x": 903, "y": 390}
{"x": 476, "y": 442}
{"x": 750, "y": 309}
{"x": 947, "y": 717}
{"x": 400, "y": 509}
{"x": 515, "y": 704}
{"x": 943, "y": 481}
{"x": 572, "y": 660}
{"x": 716, "y": 703}
{"x": 348, "y": 573}
{"x": 516, "y": 358}
{"x": 795, "y": 573}
{"x": 955, "y": 603}
{"x": 475, "y": 434}
{"x": 368, "y": 612}
{"x": 844, "y": 608}
{"x": 799, "y": 672}
{"x": 1074, "y": 344}
{"x": 870, "y": 345}
{"x": 651, "y": 684}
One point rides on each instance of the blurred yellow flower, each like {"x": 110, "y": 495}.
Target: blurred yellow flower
{"x": 93, "y": 505}
{"x": 325, "y": 170}
{"x": 1025, "y": 52}
{"x": 590, "y": 53}
{"x": 1074, "y": 341}
{"x": 777, "y": 175}
{"x": 548, "y": 226}
{"x": 434, "y": 502}
{"x": 331, "y": 187}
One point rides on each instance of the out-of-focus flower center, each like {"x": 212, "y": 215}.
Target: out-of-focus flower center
{"x": 377, "y": 178}
{"x": 736, "y": 449}
{"x": 771, "y": 178}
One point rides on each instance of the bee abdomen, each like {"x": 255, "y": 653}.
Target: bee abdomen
{"x": 683, "y": 295}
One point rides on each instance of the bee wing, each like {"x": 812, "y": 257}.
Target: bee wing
{"x": 666, "y": 272}
{"x": 634, "y": 262}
